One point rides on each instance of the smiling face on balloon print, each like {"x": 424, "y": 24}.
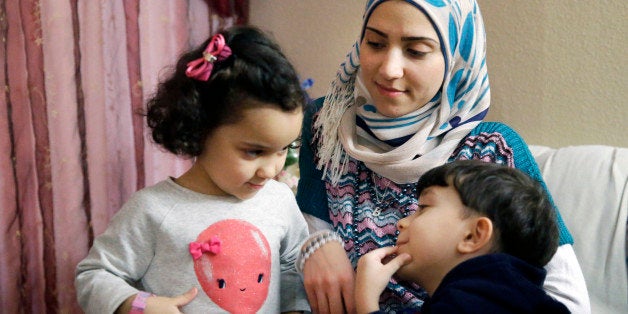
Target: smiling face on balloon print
{"x": 232, "y": 262}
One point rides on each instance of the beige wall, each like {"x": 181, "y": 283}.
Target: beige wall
{"x": 557, "y": 68}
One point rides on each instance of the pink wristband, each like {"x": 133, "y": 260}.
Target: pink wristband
{"x": 139, "y": 303}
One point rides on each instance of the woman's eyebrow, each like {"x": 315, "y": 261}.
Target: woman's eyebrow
{"x": 376, "y": 31}
{"x": 405, "y": 38}
{"x": 419, "y": 38}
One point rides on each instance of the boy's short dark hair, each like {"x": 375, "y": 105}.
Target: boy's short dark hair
{"x": 523, "y": 217}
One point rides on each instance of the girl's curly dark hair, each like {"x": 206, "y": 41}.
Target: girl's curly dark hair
{"x": 184, "y": 111}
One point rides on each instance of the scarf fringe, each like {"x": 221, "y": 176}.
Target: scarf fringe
{"x": 332, "y": 158}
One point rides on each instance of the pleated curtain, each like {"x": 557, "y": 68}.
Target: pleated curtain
{"x": 72, "y": 146}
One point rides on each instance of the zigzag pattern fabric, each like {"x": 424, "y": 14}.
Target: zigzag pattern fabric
{"x": 352, "y": 215}
{"x": 489, "y": 147}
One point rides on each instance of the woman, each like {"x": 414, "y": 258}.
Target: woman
{"x": 410, "y": 96}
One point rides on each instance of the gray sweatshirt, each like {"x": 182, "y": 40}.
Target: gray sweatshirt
{"x": 241, "y": 258}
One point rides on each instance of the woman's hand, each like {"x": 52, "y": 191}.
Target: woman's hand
{"x": 157, "y": 304}
{"x": 329, "y": 280}
{"x": 373, "y": 274}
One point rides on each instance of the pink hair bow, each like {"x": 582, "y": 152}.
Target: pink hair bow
{"x": 201, "y": 68}
{"x": 198, "y": 248}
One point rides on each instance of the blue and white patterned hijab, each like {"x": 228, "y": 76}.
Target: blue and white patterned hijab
{"x": 460, "y": 105}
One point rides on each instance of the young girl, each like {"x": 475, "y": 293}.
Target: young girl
{"x": 224, "y": 236}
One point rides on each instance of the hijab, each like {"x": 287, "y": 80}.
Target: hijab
{"x": 458, "y": 107}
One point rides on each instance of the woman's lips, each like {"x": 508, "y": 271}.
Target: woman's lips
{"x": 388, "y": 91}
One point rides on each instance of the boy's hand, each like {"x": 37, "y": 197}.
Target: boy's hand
{"x": 373, "y": 274}
{"x": 158, "y": 305}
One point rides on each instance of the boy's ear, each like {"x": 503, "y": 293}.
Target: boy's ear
{"x": 478, "y": 236}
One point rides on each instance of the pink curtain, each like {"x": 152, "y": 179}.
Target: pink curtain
{"x": 72, "y": 148}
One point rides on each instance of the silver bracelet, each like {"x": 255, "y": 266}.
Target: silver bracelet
{"x": 312, "y": 244}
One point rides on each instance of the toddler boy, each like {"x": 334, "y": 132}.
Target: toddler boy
{"x": 477, "y": 243}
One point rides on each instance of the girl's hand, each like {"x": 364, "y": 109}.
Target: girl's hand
{"x": 329, "y": 280}
{"x": 157, "y": 304}
{"x": 373, "y": 274}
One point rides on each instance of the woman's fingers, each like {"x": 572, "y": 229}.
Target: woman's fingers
{"x": 335, "y": 303}
{"x": 327, "y": 275}
{"x": 348, "y": 296}
{"x": 312, "y": 297}
{"x": 322, "y": 306}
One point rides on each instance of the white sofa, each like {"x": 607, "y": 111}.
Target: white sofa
{"x": 589, "y": 184}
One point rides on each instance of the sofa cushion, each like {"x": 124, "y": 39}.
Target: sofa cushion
{"x": 589, "y": 184}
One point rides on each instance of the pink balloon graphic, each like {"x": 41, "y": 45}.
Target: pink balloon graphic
{"x": 235, "y": 276}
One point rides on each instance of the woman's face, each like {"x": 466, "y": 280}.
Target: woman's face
{"x": 401, "y": 59}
